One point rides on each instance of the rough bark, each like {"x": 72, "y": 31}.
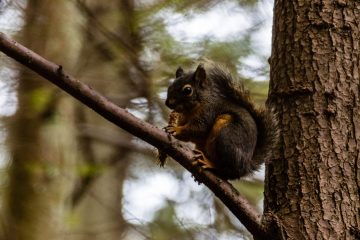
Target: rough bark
{"x": 312, "y": 185}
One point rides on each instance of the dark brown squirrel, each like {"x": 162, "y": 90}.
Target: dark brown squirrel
{"x": 232, "y": 136}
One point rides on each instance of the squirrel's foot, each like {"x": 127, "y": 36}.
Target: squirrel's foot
{"x": 201, "y": 161}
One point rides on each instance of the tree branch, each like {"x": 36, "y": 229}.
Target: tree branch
{"x": 238, "y": 205}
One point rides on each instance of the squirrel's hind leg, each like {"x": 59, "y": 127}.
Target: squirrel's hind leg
{"x": 206, "y": 161}
{"x": 233, "y": 148}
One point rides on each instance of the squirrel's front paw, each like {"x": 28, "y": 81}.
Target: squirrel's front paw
{"x": 173, "y": 130}
{"x": 170, "y": 129}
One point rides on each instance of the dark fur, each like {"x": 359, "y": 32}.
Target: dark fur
{"x": 241, "y": 145}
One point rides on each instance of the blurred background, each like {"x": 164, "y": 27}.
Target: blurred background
{"x": 68, "y": 174}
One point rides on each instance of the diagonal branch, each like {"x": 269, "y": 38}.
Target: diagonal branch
{"x": 145, "y": 131}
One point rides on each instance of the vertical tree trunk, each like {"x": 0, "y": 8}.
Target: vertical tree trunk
{"x": 313, "y": 183}
{"x": 41, "y": 149}
{"x": 126, "y": 80}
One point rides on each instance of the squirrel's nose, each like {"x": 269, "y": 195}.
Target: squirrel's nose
{"x": 170, "y": 103}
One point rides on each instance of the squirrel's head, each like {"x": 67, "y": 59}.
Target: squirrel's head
{"x": 185, "y": 93}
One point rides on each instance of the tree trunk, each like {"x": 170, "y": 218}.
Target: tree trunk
{"x": 126, "y": 81}
{"x": 313, "y": 183}
{"x": 41, "y": 163}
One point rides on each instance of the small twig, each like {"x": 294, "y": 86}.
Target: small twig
{"x": 238, "y": 205}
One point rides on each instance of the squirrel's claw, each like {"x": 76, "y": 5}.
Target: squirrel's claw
{"x": 173, "y": 130}
{"x": 170, "y": 130}
{"x": 201, "y": 161}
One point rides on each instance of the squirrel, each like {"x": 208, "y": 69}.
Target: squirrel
{"x": 232, "y": 136}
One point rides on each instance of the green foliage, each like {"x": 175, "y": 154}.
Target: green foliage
{"x": 39, "y": 99}
{"x": 247, "y": 3}
{"x": 252, "y": 190}
{"x": 165, "y": 222}
{"x": 228, "y": 53}
{"x": 258, "y": 90}
{"x": 89, "y": 170}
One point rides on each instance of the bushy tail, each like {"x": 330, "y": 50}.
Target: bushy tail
{"x": 265, "y": 118}
{"x": 268, "y": 135}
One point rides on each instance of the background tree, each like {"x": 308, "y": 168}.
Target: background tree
{"x": 41, "y": 163}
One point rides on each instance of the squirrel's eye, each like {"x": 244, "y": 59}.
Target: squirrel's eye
{"x": 187, "y": 90}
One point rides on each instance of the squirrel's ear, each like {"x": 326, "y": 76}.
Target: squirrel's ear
{"x": 179, "y": 72}
{"x": 200, "y": 75}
